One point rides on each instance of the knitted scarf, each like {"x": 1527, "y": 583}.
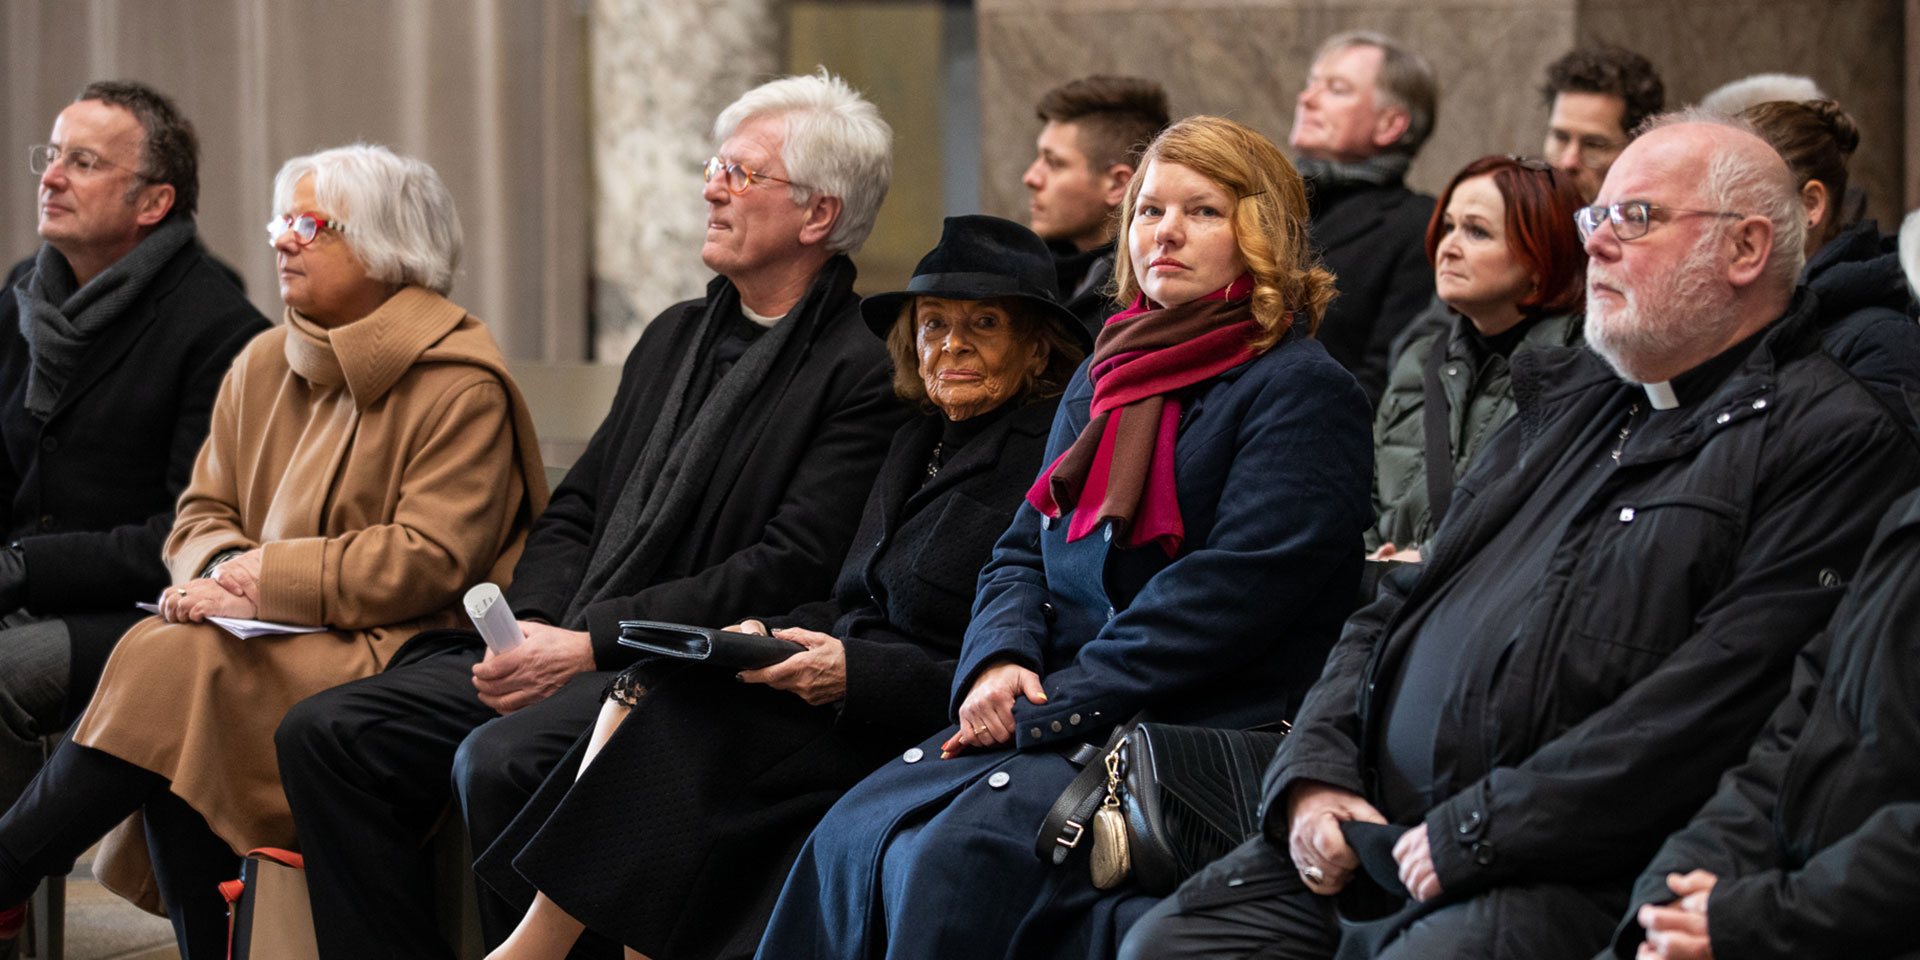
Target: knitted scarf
{"x": 1120, "y": 468}
{"x": 60, "y": 319}
{"x": 1380, "y": 170}
{"x": 663, "y": 493}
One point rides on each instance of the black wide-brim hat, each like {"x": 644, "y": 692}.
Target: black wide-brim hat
{"x": 982, "y": 258}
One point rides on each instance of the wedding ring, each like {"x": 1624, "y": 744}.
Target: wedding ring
{"x": 182, "y": 591}
{"x": 1314, "y": 874}
{"x": 980, "y": 729}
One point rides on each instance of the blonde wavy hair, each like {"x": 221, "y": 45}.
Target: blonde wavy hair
{"x": 1269, "y": 220}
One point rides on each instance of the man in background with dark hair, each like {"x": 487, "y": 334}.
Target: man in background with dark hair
{"x": 1598, "y": 94}
{"x": 1367, "y": 108}
{"x": 114, "y": 339}
{"x": 1087, "y": 153}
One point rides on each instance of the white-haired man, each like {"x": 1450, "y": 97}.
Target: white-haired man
{"x": 1500, "y": 742}
{"x": 727, "y": 480}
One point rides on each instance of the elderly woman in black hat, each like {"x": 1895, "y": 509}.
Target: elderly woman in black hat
{"x": 697, "y": 786}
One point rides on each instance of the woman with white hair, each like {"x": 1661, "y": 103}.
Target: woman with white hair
{"x": 368, "y": 461}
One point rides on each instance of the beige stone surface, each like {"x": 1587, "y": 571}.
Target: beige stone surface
{"x": 1854, "y": 49}
{"x": 1248, "y": 60}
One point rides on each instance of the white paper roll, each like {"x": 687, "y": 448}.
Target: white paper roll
{"x": 493, "y": 618}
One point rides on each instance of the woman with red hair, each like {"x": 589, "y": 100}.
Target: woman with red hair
{"x": 1507, "y": 263}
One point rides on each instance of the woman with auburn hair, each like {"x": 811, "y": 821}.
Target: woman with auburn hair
{"x": 1189, "y": 549}
{"x": 1508, "y": 265}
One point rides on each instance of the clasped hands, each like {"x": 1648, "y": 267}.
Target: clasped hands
{"x": 1320, "y": 852}
{"x": 1679, "y": 931}
{"x": 231, "y": 589}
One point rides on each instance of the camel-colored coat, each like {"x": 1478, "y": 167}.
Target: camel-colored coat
{"x": 383, "y": 467}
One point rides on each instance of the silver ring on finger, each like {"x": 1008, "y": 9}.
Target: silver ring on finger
{"x": 1314, "y": 875}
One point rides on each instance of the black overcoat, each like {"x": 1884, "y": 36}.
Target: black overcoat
{"x": 1669, "y": 618}
{"x": 1374, "y": 239}
{"x": 678, "y": 837}
{"x": 90, "y": 493}
{"x": 777, "y": 520}
{"x": 1814, "y": 837}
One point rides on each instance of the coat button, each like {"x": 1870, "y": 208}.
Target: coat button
{"x": 999, "y": 780}
{"x": 1483, "y": 854}
{"x": 1452, "y": 370}
{"x": 1723, "y": 418}
{"x": 1046, "y": 610}
{"x": 49, "y": 444}
{"x": 1075, "y": 719}
{"x": 1056, "y": 726}
{"x": 913, "y": 755}
{"x": 1106, "y": 533}
{"x": 1036, "y": 733}
{"x": 1760, "y": 404}
{"x": 1626, "y": 514}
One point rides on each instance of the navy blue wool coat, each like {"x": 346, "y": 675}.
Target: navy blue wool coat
{"x": 1273, "y": 467}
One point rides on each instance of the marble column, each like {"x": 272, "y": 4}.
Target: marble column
{"x": 660, "y": 71}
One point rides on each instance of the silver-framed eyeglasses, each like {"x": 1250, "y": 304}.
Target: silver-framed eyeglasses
{"x": 305, "y": 227}
{"x": 1631, "y": 218}
{"x": 78, "y": 161}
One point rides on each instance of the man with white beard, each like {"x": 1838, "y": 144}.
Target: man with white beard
{"x": 1608, "y": 614}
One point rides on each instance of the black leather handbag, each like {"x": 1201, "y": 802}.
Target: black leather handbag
{"x": 1180, "y": 797}
{"x": 1190, "y": 795}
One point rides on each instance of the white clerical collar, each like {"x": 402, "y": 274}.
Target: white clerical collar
{"x": 763, "y": 321}
{"x": 1661, "y": 395}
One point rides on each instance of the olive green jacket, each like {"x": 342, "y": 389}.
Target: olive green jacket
{"x": 1478, "y": 401}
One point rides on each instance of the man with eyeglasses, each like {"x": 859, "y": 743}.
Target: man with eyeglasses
{"x": 1597, "y": 94}
{"x": 1608, "y": 613}
{"x": 114, "y": 338}
{"x": 727, "y": 481}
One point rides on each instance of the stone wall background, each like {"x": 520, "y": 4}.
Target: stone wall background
{"x": 1248, "y": 59}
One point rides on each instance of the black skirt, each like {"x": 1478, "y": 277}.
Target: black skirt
{"x": 679, "y": 835}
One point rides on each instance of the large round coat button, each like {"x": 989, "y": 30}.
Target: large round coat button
{"x": 999, "y": 780}
{"x": 913, "y": 755}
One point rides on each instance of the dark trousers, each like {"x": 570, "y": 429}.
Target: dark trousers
{"x": 80, "y": 795}
{"x": 367, "y": 768}
{"x": 495, "y": 773}
{"x": 1251, "y": 904}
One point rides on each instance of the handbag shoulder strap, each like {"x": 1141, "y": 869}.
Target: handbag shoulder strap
{"x": 1066, "y": 821}
{"x": 1439, "y": 439}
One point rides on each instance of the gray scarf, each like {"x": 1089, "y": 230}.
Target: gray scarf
{"x": 59, "y": 322}
{"x": 675, "y": 468}
{"x": 1380, "y": 170}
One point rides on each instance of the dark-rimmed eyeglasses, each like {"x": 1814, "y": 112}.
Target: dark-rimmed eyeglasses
{"x": 77, "y": 161}
{"x": 305, "y": 227}
{"x": 740, "y": 177}
{"x": 1631, "y": 218}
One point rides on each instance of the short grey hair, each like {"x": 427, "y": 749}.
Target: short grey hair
{"x": 1406, "y": 81}
{"x": 1743, "y": 183}
{"x": 1910, "y": 250}
{"x": 394, "y": 211}
{"x": 836, "y": 144}
{"x": 1737, "y": 95}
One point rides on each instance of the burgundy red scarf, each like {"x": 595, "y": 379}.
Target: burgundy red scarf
{"x": 1120, "y": 467}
